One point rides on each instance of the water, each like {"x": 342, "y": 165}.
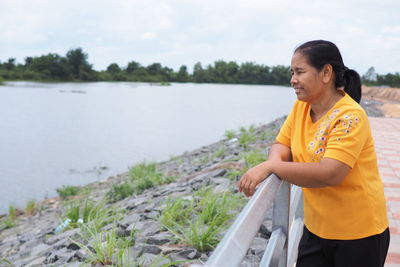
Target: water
{"x": 65, "y": 133}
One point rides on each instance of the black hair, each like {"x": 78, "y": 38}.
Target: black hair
{"x": 321, "y": 52}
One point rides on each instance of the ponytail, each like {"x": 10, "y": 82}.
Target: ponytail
{"x": 352, "y": 84}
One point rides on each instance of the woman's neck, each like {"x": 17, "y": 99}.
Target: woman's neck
{"x": 319, "y": 109}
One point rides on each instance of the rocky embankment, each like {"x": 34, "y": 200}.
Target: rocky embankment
{"x": 34, "y": 241}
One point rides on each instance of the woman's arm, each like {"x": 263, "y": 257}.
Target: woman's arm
{"x": 328, "y": 172}
{"x": 280, "y": 152}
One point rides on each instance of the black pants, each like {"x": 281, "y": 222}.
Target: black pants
{"x": 365, "y": 252}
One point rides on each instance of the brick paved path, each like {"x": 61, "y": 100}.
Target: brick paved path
{"x": 386, "y": 132}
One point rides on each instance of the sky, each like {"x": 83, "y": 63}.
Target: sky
{"x": 183, "y": 32}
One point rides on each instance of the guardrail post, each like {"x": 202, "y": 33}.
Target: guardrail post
{"x": 275, "y": 254}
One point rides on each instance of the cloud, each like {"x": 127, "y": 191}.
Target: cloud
{"x": 177, "y": 32}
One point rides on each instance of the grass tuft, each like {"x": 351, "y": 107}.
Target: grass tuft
{"x": 31, "y": 208}
{"x": 199, "y": 221}
{"x": 119, "y": 192}
{"x": 230, "y": 134}
{"x": 146, "y": 175}
{"x": 66, "y": 191}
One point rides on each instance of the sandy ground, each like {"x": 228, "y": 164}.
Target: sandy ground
{"x": 390, "y": 97}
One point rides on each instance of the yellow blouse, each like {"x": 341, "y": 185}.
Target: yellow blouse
{"x": 356, "y": 207}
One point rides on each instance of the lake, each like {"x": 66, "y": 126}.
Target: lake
{"x": 53, "y": 134}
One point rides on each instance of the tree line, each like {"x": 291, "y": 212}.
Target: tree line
{"x": 74, "y": 66}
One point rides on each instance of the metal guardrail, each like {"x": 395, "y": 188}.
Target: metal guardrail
{"x": 281, "y": 250}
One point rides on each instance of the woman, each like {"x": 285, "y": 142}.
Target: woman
{"x": 325, "y": 146}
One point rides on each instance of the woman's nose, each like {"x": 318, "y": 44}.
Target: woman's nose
{"x": 293, "y": 80}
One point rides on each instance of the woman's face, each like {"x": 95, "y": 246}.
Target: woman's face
{"x": 306, "y": 80}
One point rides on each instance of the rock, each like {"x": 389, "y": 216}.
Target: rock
{"x": 40, "y": 249}
{"x": 159, "y": 239}
{"x": 223, "y": 185}
{"x": 81, "y": 254}
{"x": 257, "y": 246}
{"x": 152, "y": 250}
{"x": 123, "y": 232}
{"x": 37, "y": 262}
{"x": 264, "y": 232}
{"x": 129, "y": 219}
{"x": 250, "y": 261}
{"x": 73, "y": 246}
{"x": 63, "y": 236}
{"x": 146, "y": 228}
{"x": 190, "y": 254}
{"x": 134, "y": 202}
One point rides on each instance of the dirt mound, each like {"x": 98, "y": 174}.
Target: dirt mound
{"x": 390, "y": 94}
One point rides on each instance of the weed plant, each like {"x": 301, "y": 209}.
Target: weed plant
{"x": 31, "y": 208}
{"x": 199, "y": 222}
{"x": 268, "y": 135}
{"x": 109, "y": 249}
{"x": 12, "y": 212}
{"x": 220, "y": 152}
{"x": 230, "y": 134}
{"x": 104, "y": 248}
{"x": 146, "y": 175}
{"x": 247, "y": 136}
{"x": 3, "y": 261}
{"x": 66, "y": 191}
{"x": 93, "y": 215}
{"x": 234, "y": 175}
{"x": 120, "y": 191}
{"x": 254, "y": 158}
{"x": 11, "y": 219}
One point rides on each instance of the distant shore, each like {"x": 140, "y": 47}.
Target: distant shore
{"x": 389, "y": 97}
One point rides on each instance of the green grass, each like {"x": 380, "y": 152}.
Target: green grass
{"x": 11, "y": 219}
{"x": 105, "y": 248}
{"x": 110, "y": 249}
{"x": 268, "y": 135}
{"x": 247, "y": 136}
{"x": 12, "y": 212}
{"x": 66, "y": 191}
{"x": 31, "y": 207}
{"x": 93, "y": 214}
{"x": 3, "y": 261}
{"x": 234, "y": 175}
{"x": 120, "y": 191}
{"x": 220, "y": 152}
{"x": 176, "y": 212}
{"x": 254, "y": 158}
{"x": 199, "y": 221}
{"x": 229, "y": 134}
{"x": 146, "y": 175}
{"x": 8, "y": 223}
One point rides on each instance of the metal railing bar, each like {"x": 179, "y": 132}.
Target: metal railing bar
{"x": 233, "y": 247}
{"x": 274, "y": 249}
{"x": 296, "y": 232}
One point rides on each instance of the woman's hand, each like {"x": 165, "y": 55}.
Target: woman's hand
{"x": 248, "y": 182}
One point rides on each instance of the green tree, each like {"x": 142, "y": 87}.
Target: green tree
{"x": 183, "y": 75}
{"x": 50, "y": 67}
{"x": 199, "y": 74}
{"x": 81, "y": 69}
{"x": 113, "y": 68}
{"x": 132, "y": 66}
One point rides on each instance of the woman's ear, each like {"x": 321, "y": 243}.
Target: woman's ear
{"x": 327, "y": 73}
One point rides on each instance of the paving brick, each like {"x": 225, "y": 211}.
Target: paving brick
{"x": 386, "y": 133}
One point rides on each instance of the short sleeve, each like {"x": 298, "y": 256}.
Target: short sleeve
{"x": 347, "y": 137}
{"x": 284, "y": 135}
